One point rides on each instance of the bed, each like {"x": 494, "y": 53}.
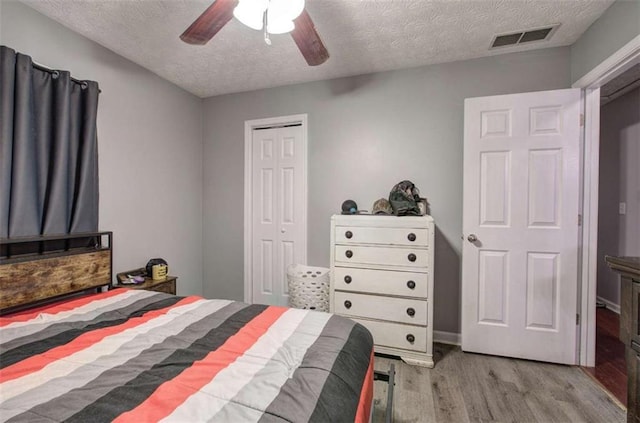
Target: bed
{"x": 133, "y": 355}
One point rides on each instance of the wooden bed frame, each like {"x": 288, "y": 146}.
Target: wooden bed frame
{"x": 34, "y": 271}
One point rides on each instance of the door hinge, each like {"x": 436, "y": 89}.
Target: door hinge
{"x": 581, "y": 119}
{"x": 579, "y": 220}
{"x": 577, "y": 319}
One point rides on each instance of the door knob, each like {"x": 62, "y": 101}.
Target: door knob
{"x": 411, "y": 339}
{"x": 411, "y": 237}
{"x": 283, "y": 230}
{"x": 472, "y": 238}
{"x": 348, "y": 253}
{"x": 412, "y": 257}
{"x": 347, "y": 304}
{"x": 348, "y": 234}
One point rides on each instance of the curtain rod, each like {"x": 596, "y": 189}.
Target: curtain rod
{"x": 52, "y": 71}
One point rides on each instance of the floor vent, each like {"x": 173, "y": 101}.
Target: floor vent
{"x": 523, "y": 37}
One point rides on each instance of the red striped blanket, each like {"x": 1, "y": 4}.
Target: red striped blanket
{"x": 137, "y": 356}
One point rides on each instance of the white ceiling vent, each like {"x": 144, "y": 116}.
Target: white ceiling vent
{"x": 523, "y": 37}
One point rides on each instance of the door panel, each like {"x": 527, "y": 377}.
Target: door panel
{"x": 288, "y": 257}
{"x": 545, "y": 188}
{"x": 266, "y": 195}
{"x": 492, "y": 292}
{"x": 266, "y": 267}
{"x": 264, "y": 214}
{"x": 278, "y": 214}
{"x": 521, "y": 181}
{"x": 542, "y": 291}
{"x": 288, "y": 200}
{"x": 495, "y": 177}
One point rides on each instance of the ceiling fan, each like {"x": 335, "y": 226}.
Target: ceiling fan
{"x": 272, "y": 16}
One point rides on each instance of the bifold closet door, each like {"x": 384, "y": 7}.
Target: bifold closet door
{"x": 277, "y": 212}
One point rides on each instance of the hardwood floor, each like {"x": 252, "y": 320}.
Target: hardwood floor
{"x": 611, "y": 368}
{"x": 465, "y": 387}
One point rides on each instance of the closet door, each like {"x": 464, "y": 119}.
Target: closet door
{"x": 277, "y": 213}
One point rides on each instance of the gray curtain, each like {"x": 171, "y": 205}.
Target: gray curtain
{"x": 49, "y": 150}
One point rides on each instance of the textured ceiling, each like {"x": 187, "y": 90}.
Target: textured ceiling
{"x": 362, "y": 36}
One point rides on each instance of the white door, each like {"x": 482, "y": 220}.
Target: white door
{"x": 278, "y": 215}
{"x": 520, "y": 225}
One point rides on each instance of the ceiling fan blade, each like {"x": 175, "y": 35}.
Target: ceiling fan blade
{"x": 210, "y": 22}
{"x": 308, "y": 40}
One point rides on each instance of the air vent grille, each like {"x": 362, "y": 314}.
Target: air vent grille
{"x": 507, "y": 40}
{"x": 523, "y": 37}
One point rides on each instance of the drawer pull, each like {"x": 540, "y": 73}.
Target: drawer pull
{"x": 347, "y": 279}
{"x": 411, "y": 339}
{"x": 411, "y": 284}
{"x": 348, "y": 234}
{"x": 349, "y": 253}
{"x": 411, "y": 311}
{"x": 412, "y": 257}
{"x": 347, "y": 304}
{"x": 411, "y": 237}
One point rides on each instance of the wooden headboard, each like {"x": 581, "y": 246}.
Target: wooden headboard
{"x": 37, "y": 269}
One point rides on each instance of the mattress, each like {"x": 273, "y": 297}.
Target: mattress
{"x": 133, "y": 355}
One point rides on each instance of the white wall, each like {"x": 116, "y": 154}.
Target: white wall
{"x": 619, "y": 182}
{"x": 619, "y": 24}
{"x": 366, "y": 133}
{"x": 150, "y": 146}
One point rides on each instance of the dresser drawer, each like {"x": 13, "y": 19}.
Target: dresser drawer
{"x": 374, "y": 235}
{"x": 385, "y": 282}
{"x": 396, "y": 335}
{"x": 381, "y": 255}
{"x": 385, "y": 308}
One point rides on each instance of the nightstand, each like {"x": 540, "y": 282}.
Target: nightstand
{"x": 167, "y": 285}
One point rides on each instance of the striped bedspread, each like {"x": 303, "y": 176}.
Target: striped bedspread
{"x": 138, "y": 356}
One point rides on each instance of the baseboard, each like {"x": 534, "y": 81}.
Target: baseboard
{"x": 611, "y": 306}
{"x": 450, "y": 338}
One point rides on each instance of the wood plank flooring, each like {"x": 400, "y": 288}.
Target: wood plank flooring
{"x": 611, "y": 368}
{"x": 465, "y": 387}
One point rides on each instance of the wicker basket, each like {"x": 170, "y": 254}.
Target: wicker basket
{"x": 308, "y": 287}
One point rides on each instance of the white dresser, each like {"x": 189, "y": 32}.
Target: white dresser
{"x": 382, "y": 277}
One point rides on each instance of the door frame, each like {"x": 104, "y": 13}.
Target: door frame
{"x": 249, "y": 126}
{"x": 614, "y": 65}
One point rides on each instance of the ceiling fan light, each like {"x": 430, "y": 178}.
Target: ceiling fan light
{"x": 250, "y": 12}
{"x": 285, "y": 9}
{"x": 281, "y": 26}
